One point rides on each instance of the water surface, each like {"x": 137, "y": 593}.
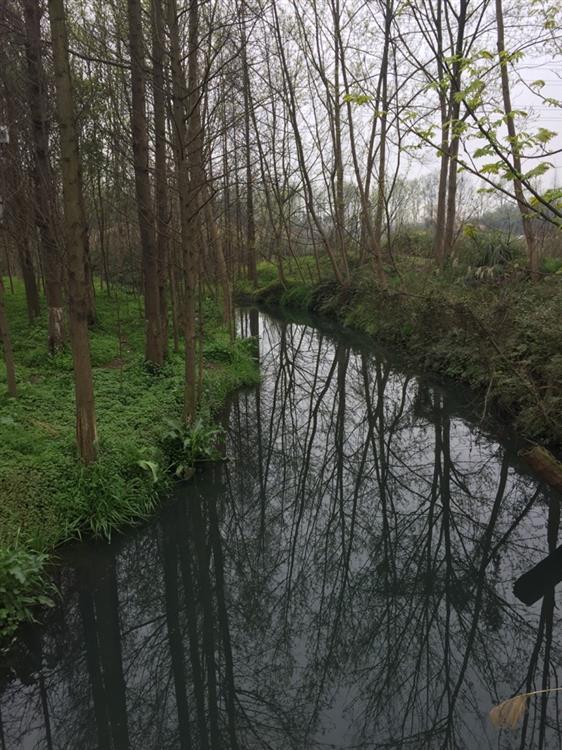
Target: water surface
{"x": 343, "y": 581}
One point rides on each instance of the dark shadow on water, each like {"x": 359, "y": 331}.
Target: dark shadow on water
{"x": 344, "y": 580}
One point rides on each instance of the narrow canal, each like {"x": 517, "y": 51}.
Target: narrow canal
{"x": 344, "y": 580}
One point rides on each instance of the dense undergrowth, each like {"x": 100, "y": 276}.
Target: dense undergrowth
{"x": 501, "y": 335}
{"x": 46, "y": 495}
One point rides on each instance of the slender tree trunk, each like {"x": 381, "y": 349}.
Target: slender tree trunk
{"x": 381, "y": 178}
{"x": 161, "y": 177}
{"x": 250, "y": 220}
{"x": 454, "y": 108}
{"x": 173, "y": 298}
{"x": 439, "y": 237}
{"x": 76, "y": 236}
{"x": 451, "y": 203}
{"x": 222, "y": 270}
{"x": 7, "y": 345}
{"x": 189, "y": 210}
{"x": 17, "y": 204}
{"x": 8, "y": 264}
{"x": 198, "y": 184}
{"x": 45, "y": 214}
{"x": 526, "y": 216}
{"x": 440, "y": 218}
{"x": 27, "y": 268}
{"x": 88, "y": 269}
{"x": 227, "y": 224}
{"x": 17, "y": 213}
{"x": 103, "y": 234}
{"x": 338, "y": 150}
{"x": 153, "y": 342}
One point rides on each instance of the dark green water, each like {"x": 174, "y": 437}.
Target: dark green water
{"x": 344, "y": 581}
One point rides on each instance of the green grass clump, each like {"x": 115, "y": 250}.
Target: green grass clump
{"x": 47, "y": 495}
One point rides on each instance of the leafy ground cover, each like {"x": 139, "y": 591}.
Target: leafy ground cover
{"x": 47, "y": 495}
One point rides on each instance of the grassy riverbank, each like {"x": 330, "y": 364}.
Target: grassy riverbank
{"x": 501, "y": 336}
{"x": 47, "y": 496}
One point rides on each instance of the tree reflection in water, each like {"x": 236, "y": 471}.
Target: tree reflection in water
{"x": 345, "y": 580}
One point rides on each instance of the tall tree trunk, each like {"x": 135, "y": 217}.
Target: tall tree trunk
{"x": 76, "y": 237}
{"x": 250, "y": 220}
{"x": 45, "y": 213}
{"x": 526, "y": 215}
{"x": 162, "y": 199}
{"x": 440, "y": 218}
{"x": 339, "y": 205}
{"x": 454, "y": 108}
{"x": 198, "y": 184}
{"x": 189, "y": 210}
{"x": 381, "y": 177}
{"x": 452, "y": 183}
{"x": 153, "y": 341}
